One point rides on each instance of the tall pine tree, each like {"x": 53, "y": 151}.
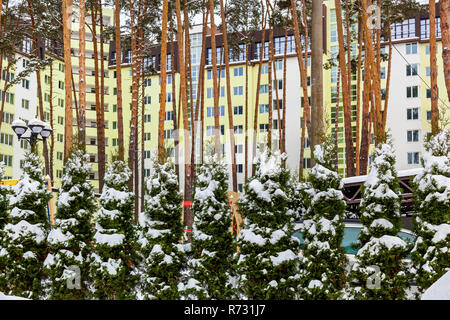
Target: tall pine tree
{"x": 430, "y": 255}
{"x": 70, "y": 242}
{"x": 24, "y": 239}
{"x": 268, "y": 262}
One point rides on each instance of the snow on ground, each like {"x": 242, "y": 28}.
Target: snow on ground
{"x": 440, "y": 290}
{"x": 4, "y": 297}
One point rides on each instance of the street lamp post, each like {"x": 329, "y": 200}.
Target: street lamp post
{"x": 37, "y": 128}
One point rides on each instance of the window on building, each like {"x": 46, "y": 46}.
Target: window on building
{"x": 412, "y": 69}
{"x": 403, "y": 30}
{"x": 238, "y": 72}
{"x": 413, "y": 157}
{"x": 238, "y": 91}
{"x": 412, "y": 113}
{"x": 263, "y": 108}
{"x": 412, "y": 135}
{"x": 238, "y": 110}
{"x": 411, "y": 48}
{"x": 412, "y": 92}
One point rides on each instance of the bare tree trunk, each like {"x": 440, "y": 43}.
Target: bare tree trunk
{"x": 269, "y": 63}
{"x": 120, "y": 137}
{"x": 82, "y": 77}
{"x": 39, "y": 87}
{"x": 217, "y": 145}
{"x": 306, "y": 114}
{"x": 174, "y": 109}
{"x": 229, "y": 102}
{"x": 444, "y": 6}
{"x": 52, "y": 136}
{"x": 201, "y": 84}
{"x": 304, "y": 80}
{"x": 336, "y": 122}
{"x": 258, "y": 83}
{"x": 283, "y": 121}
{"x": 388, "y": 79}
{"x": 101, "y": 123}
{"x": 67, "y": 23}
{"x": 433, "y": 73}
{"x": 358, "y": 102}
{"x": 162, "y": 103}
{"x": 349, "y": 150}
{"x": 317, "y": 124}
{"x": 246, "y": 114}
{"x": 94, "y": 10}
{"x": 188, "y": 217}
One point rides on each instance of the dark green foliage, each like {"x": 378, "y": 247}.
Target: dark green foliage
{"x": 268, "y": 257}
{"x": 70, "y": 242}
{"x": 212, "y": 242}
{"x": 112, "y": 266}
{"x": 432, "y": 203}
{"x": 24, "y": 247}
{"x": 324, "y": 260}
{"x": 380, "y": 272}
{"x": 161, "y": 232}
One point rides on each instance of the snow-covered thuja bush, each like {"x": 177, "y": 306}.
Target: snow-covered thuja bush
{"x": 431, "y": 254}
{"x": 379, "y": 271}
{"x": 213, "y": 246}
{"x": 324, "y": 259}
{"x": 268, "y": 261}
{"x": 298, "y": 198}
{"x": 24, "y": 239}
{"x": 70, "y": 241}
{"x": 161, "y": 231}
{"x": 112, "y": 266}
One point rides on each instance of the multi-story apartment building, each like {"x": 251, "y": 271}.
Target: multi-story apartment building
{"x": 408, "y": 113}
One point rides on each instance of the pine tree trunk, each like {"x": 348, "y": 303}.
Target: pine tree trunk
{"x": 336, "y": 122}
{"x": 162, "y": 102}
{"x": 358, "y": 100}
{"x": 303, "y": 74}
{"x": 433, "y": 73}
{"x": 201, "y": 84}
{"x": 52, "y": 136}
{"x": 246, "y": 115}
{"x": 229, "y": 102}
{"x": 317, "y": 123}
{"x": 94, "y": 11}
{"x": 388, "y": 79}
{"x": 217, "y": 145}
{"x": 101, "y": 122}
{"x": 283, "y": 121}
{"x": 258, "y": 83}
{"x": 269, "y": 65}
{"x": 39, "y": 87}
{"x": 349, "y": 150}
{"x": 445, "y": 25}
{"x": 82, "y": 77}
{"x": 365, "y": 133}
{"x": 305, "y": 87}
{"x": 174, "y": 109}
{"x": 188, "y": 217}
{"x": 67, "y": 23}
{"x": 120, "y": 140}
